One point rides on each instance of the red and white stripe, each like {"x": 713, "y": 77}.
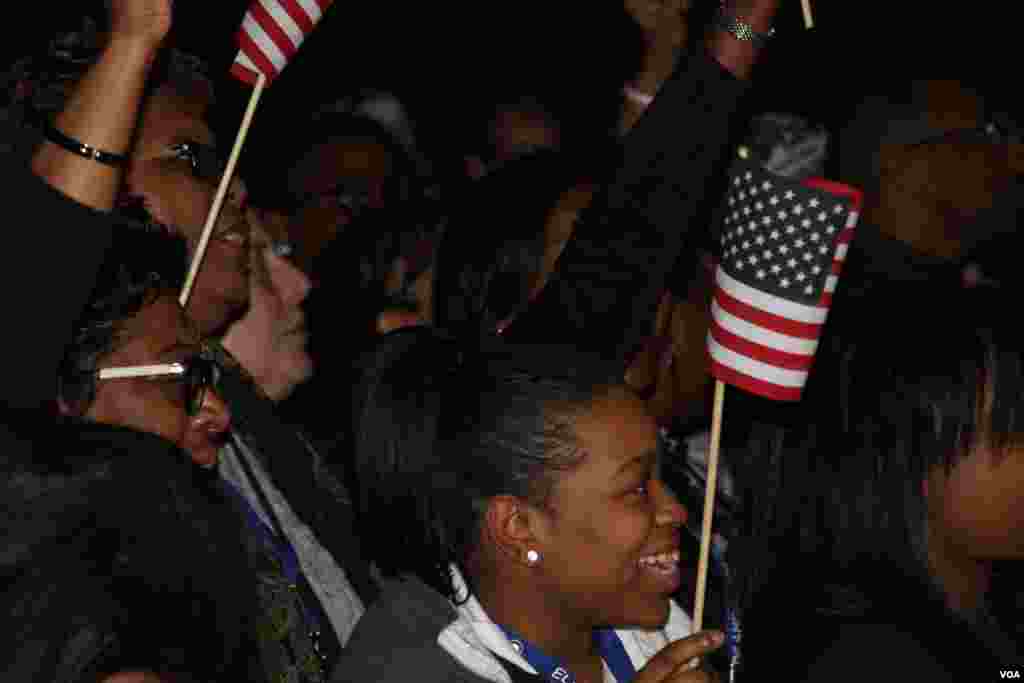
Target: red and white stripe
{"x": 759, "y": 342}
{"x": 765, "y": 344}
{"x": 271, "y": 34}
{"x": 856, "y": 198}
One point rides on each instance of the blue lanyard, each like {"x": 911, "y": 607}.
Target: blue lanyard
{"x": 608, "y": 645}
{"x": 281, "y": 548}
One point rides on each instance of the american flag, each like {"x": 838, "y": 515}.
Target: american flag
{"x": 271, "y": 34}
{"x": 782, "y": 246}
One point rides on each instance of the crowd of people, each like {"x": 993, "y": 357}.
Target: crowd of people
{"x": 413, "y": 427}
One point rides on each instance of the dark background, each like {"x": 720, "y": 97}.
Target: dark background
{"x": 443, "y": 58}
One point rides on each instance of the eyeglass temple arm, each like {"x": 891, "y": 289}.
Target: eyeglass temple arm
{"x": 129, "y": 371}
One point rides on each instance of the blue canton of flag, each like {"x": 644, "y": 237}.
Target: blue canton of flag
{"x": 780, "y": 237}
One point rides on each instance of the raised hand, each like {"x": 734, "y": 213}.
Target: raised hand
{"x": 664, "y": 22}
{"x": 145, "y": 20}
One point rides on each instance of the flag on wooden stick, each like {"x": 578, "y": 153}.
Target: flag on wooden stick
{"x": 782, "y": 247}
{"x": 271, "y": 34}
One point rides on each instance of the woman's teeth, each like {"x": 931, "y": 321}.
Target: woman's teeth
{"x": 662, "y": 561}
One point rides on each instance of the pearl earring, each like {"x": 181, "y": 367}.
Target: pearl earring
{"x": 532, "y": 557}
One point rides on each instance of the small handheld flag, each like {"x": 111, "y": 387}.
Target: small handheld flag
{"x": 271, "y": 34}
{"x": 783, "y": 244}
{"x": 782, "y": 248}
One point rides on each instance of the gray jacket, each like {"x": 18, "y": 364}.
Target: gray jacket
{"x": 413, "y": 633}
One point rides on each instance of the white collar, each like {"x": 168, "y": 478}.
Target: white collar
{"x": 475, "y": 641}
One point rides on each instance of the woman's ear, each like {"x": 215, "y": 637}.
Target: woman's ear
{"x": 64, "y": 408}
{"x": 71, "y": 407}
{"x": 511, "y": 526}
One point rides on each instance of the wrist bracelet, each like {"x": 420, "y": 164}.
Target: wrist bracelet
{"x": 58, "y": 138}
{"x": 741, "y": 30}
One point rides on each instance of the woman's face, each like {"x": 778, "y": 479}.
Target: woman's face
{"x": 611, "y": 538}
{"x": 157, "y": 334}
{"x": 270, "y": 340}
{"x": 175, "y": 195}
{"x": 976, "y": 509}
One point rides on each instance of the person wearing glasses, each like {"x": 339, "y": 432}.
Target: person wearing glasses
{"x": 136, "y": 359}
{"x": 296, "y": 512}
{"x": 171, "y": 170}
{"x": 122, "y": 561}
{"x": 940, "y": 165}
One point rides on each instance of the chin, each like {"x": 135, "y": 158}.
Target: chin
{"x": 640, "y": 613}
{"x": 207, "y": 456}
{"x": 650, "y": 616}
{"x": 300, "y": 370}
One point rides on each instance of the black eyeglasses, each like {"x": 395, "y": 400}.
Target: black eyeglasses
{"x": 196, "y": 373}
{"x": 203, "y": 158}
{"x": 348, "y": 197}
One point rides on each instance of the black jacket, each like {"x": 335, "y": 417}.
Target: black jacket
{"x": 898, "y": 633}
{"x": 119, "y": 554}
{"x": 604, "y": 292}
{"x": 114, "y": 550}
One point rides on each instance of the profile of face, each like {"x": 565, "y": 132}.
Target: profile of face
{"x": 175, "y": 172}
{"x": 338, "y": 179}
{"x": 270, "y": 340}
{"x": 522, "y": 129}
{"x": 976, "y": 508}
{"x": 160, "y": 333}
{"x": 515, "y": 129}
{"x": 934, "y": 187}
{"x": 610, "y": 542}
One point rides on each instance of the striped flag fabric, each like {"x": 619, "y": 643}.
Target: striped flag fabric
{"x": 782, "y": 247}
{"x": 271, "y": 34}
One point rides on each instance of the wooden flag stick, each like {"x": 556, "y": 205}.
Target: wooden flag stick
{"x": 711, "y": 486}
{"x": 222, "y": 190}
{"x": 808, "y": 17}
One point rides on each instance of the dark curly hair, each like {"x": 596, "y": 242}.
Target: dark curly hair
{"x": 141, "y": 266}
{"x": 37, "y": 86}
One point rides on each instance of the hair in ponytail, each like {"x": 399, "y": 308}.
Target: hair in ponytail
{"x": 442, "y": 428}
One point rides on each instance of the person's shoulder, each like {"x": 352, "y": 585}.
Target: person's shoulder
{"x": 424, "y": 663}
{"x": 56, "y": 450}
{"x": 396, "y": 640}
{"x": 407, "y": 612}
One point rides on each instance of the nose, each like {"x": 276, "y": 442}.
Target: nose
{"x": 669, "y": 511}
{"x": 238, "y": 192}
{"x": 291, "y": 283}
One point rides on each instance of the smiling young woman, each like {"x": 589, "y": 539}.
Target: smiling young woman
{"x": 536, "y": 537}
